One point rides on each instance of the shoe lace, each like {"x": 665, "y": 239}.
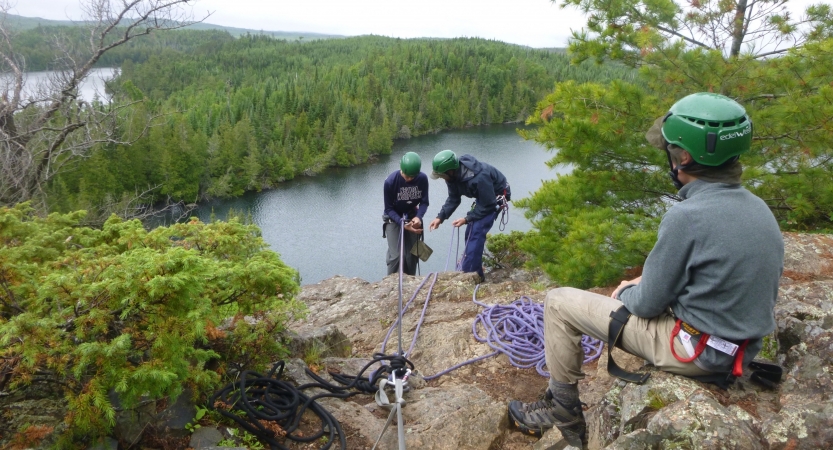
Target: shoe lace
{"x": 548, "y": 402}
{"x": 541, "y": 404}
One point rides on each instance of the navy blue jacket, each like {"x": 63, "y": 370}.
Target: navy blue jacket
{"x": 404, "y": 198}
{"x": 476, "y": 180}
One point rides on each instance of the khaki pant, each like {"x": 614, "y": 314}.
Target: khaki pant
{"x": 569, "y": 313}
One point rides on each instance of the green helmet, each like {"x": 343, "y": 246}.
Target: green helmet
{"x": 444, "y": 161}
{"x": 711, "y": 127}
{"x": 410, "y": 164}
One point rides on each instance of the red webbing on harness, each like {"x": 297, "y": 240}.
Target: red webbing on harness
{"x": 701, "y": 345}
{"x": 737, "y": 367}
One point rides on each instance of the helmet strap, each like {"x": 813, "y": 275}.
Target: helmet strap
{"x": 674, "y": 173}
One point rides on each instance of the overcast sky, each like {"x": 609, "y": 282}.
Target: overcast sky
{"x": 536, "y": 23}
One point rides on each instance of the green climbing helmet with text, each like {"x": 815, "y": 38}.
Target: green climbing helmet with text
{"x": 444, "y": 161}
{"x": 410, "y": 164}
{"x": 713, "y": 128}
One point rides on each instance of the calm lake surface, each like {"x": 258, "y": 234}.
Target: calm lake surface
{"x": 91, "y": 87}
{"x": 331, "y": 224}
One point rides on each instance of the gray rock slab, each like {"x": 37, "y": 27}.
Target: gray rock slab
{"x": 700, "y": 421}
{"x": 807, "y": 254}
{"x": 205, "y": 437}
{"x": 174, "y": 418}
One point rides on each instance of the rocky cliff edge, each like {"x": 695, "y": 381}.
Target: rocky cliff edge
{"x": 466, "y": 408}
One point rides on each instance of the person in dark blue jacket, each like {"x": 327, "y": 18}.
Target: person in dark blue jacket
{"x": 406, "y": 196}
{"x": 480, "y": 181}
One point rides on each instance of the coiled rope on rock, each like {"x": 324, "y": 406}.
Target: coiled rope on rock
{"x": 271, "y": 408}
{"x": 516, "y": 330}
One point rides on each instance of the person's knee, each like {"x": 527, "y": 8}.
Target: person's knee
{"x": 558, "y": 298}
{"x": 560, "y": 295}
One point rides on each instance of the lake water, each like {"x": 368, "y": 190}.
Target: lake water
{"x": 331, "y": 224}
{"x": 91, "y": 87}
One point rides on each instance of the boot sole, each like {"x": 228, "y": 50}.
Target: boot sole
{"x": 521, "y": 426}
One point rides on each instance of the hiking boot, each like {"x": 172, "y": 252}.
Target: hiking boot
{"x": 537, "y": 417}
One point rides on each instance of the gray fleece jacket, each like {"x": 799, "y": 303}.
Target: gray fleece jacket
{"x": 717, "y": 263}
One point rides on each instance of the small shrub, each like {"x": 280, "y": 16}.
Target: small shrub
{"x": 503, "y": 250}
{"x": 133, "y": 312}
{"x": 314, "y": 352}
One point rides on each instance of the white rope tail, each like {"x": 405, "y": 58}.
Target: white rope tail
{"x": 396, "y": 409}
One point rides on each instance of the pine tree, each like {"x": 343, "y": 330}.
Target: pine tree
{"x": 594, "y": 223}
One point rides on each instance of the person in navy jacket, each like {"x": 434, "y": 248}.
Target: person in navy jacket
{"x": 480, "y": 181}
{"x": 406, "y": 197}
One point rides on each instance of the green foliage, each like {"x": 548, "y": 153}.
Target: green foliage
{"x": 593, "y": 224}
{"x": 133, "y": 312}
{"x": 314, "y": 353}
{"x": 656, "y": 401}
{"x": 601, "y": 219}
{"x": 194, "y": 424}
{"x": 257, "y": 111}
{"x": 38, "y": 42}
{"x": 503, "y": 250}
{"x": 241, "y": 437}
{"x": 770, "y": 348}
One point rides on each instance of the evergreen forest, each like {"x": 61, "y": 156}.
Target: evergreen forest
{"x": 242, "y": 114}
{"x": 93, "y": 305}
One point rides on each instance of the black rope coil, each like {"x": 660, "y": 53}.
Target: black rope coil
{"x": 255, "y": 401}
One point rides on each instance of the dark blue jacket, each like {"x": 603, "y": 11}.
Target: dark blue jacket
{"x": 404, "y": 198}
{"x": 476, "y": 180}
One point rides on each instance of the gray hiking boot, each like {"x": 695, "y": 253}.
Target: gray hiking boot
{"x": 537, "y": 417}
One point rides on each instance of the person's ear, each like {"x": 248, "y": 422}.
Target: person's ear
{"x": 685, "y": 158}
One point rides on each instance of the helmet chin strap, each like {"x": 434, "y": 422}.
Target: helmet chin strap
{"x": 674, "y": 173}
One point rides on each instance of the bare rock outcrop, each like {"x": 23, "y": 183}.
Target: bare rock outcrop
{"x": 466, "y": 408}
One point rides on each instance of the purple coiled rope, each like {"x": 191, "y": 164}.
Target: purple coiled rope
{"x": 516, "y": 329}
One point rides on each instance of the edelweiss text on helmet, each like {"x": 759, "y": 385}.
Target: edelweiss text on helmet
{"x": 736, "y": 134}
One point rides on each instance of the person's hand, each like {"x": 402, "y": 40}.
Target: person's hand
{"x": 459, "y": 222}
{"x": 434, "y": 224}
{"x": 416, "y": 222}
{"x": 409, "y": 227}
{"x": 624, "y": 283}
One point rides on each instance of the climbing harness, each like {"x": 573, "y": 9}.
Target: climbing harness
{"x": 728, "y": 347}
{"x": 420, "y": 249}
{"x": 503, "y": 207}
{"x": 765, "y": 374}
